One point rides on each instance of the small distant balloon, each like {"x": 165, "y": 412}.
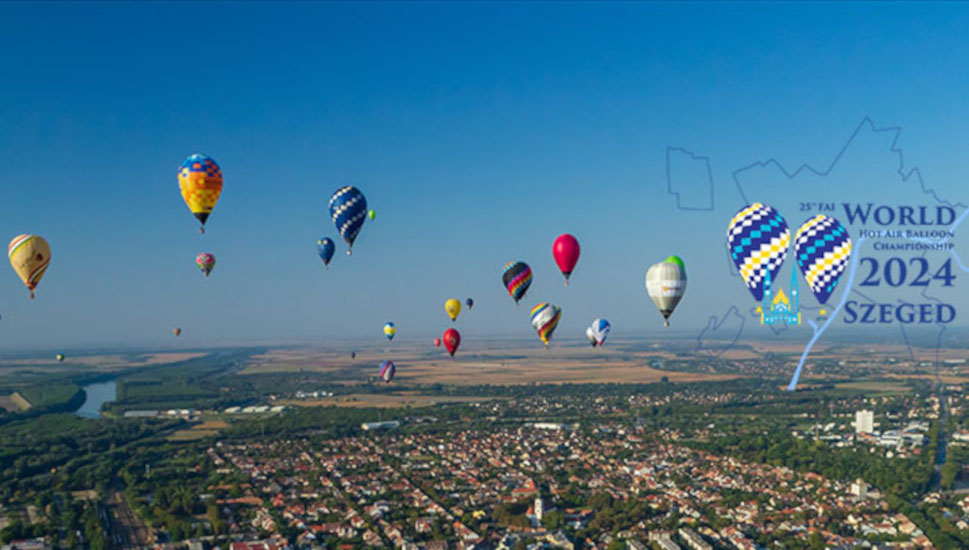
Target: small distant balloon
{"x": 822, "y": 247}
{"x": 437, "y": 342}
{"x": 325, "y": 248}
{"x": 390, "y": 330}
{"x": 666, "y": 284}
{"x": 348, "y": 209}
{"x": 200, "y": 180}
{"x": 545, "y": 317}
{"x": 177, "y": 331}
{"x": 372, "y": 214}
{"x": 470, "y": 303}
{"x": 591, "y": 336}
{"x": 206, "y": 262}
{"x": 757, "y": 240}
{"x": 60, "y": 357}
{"x": 451, "y": 339}
{"x": 600, "y": 330}
{"x": 353, "y": 355}
{"x": 30, "y": 258}
{"x": 453, "y": 308}
{"x": 387, "y": 371}
{"x": 565, "y": 250}
{"x": 517, "y": 277}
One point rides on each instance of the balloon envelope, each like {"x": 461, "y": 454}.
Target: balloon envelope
{"x": 545, "y": 317}
{"x": 372, "y": 214}
{"x": 387, "y": 371}
{"x": 757, "y": 239}
{"x": 822, "y": 247}
{"x": 600, "y": 330}
{"x": 30, "y": 257}
{"x": 177, "y": 331}
{"x": 565, "y": 250}
{"x": 451, "y": 339}
{"x": 348, "y": 209}
{"x": 437, "y": 342}
{"x": 325, "y": 248}
{"x": 200, "y": 180}
{"x": 206, "y": 262}
{"x": 591, "y": 336}
{"x": 60, "y": 357}
{"x": 453, "y": 308}
{"x": 390, "y": 330}
{"x": 517, "y": 277}
{"x": 470, "y": 303}
{"x": 666, "y": 284}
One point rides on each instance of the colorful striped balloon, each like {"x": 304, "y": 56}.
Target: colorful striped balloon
{"x": 545, "y": 317}
{"x": 30, "y": 257}
{"x": 517, "y": 277}
{"x": 348, "y": 209}
{"x": 206, "y": 262}
{"x": 387, "y": 371}
{"x": 757, "y": 239}
{"x": 822, "y": 247}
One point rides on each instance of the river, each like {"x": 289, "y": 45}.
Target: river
{"x": 97, "y": 395}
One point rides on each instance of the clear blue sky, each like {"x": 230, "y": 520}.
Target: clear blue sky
{"x": 478, "y": 132}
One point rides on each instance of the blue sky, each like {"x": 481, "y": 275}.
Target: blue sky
{"x": 479, "y": 132}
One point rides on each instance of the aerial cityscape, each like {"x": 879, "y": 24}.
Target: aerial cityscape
{"x": 483, "y": 276}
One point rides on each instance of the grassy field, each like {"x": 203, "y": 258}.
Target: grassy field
{"x": 382, "y": 400}
{"x": 199, "y": 431}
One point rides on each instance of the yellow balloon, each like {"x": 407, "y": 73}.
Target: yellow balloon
{"x": 200, "y": 180}
{"x": 453, "y": 308}
{"x": 29, "y": 256}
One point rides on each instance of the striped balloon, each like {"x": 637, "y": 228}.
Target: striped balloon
{"x": 517, "y": 277}
{"x": 325, "y": 248}
{"x": 348, "y": 208}
{"x": 206, "y": 262}
{"x": 30, "y": 257}
{"x": 545, "y": 317}
{"x": 757, "y": 239}
{"x": 822, "y": 247}
{"x": 387, "y": 370}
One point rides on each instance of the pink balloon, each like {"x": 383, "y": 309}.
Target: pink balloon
{"x": 566, "y": 254}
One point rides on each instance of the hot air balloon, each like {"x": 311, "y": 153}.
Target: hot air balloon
{"x": 353, "y": 355}
{"x": 387, "y": 370}
{"x": 390, "y": 330}
{"x": 60, "y": 357}
{"x": 453, "y": 308}
{"x": 757, "y": 239}
{"x": 517, "y": 277}
{"x": 348, "y": 208}
{"x": 822, "y": 247}
{"x": 437, "y": 342}
{"x": 470, "y": 303}
{"x": 200, "y": 180}
{"x": 665, "y": 284}
{"x": 452, "y": 339}
{"x": 372, "y": 214}
{"x": 206, "y": 262}
{"x": 177, "y": 332}
{"x": 30, "y": 257}
{"x": 600, "y": 330}
{"x": 591, "y": 336}
{"x": 565, "y": 250}
{"x": 545, "y": 317}
{"x": 325, "y": 248}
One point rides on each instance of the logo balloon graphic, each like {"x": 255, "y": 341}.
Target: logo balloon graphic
{"x": 822, "y": 247}
{"x": 452, "y": 339}
{"x": 348, "y": 209}
{"x": 517, "y": 277}
{"x": 565, "y": 250}
{"x": 757, "y": 239}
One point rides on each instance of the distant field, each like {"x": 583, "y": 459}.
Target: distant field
{"x": 383, "y": 400}
{"x": 875, "y": 386}
{"x": 199, "y": 431}
{"x": 480, "y": 365}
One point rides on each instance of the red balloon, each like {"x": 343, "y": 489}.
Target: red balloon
{"x": 452, "y": 339}
{"x": 437, "y": 342}
{"x": 566, "y": 254}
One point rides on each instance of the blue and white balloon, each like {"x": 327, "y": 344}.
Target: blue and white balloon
{"x": 822, "y": 247}
{"x": 348, "y": 208}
